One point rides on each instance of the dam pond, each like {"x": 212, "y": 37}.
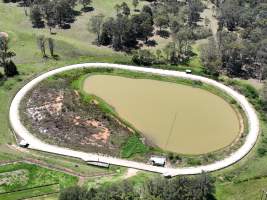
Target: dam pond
{"x": 175, "y": 117}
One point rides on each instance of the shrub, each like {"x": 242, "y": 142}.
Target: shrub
{"x": 193, "y": 161}
{"x": 201, "y": 33}
{"x": 11, "y": 69}
{"x": 1, "y": 76}
{"x": 144, "y": 57}
{"x": 261, "y": 151}
{"x": 73, "y": 193}
{"x": 250, "y": 91}
{"x": 170, "y": 156}
{"x": 177, "y": 157}
{"x": 133, "y": 146}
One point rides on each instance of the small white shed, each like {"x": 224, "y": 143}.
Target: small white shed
{"x": 158, "y": 161}
{"x": 188, "y": 71}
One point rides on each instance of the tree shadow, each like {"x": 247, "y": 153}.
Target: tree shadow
{"x": 39, "y": 25}
{"x": 76, "y": 13}
{"x": 69, "y": 20}
{"x": 22, "y": 4}
{"x": 11, "y": 1}
{"x": 163, "y": 33}
{"x": 65, "y": 26}
{"x": 88, "y": 9}
{"x": 56, "y": 57}
{"x": 151, "y": 43}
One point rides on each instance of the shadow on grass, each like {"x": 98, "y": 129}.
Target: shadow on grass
{"x": 87, "y": 9}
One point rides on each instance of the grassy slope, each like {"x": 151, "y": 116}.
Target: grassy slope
{"x": 138, "y": 179}
{"x": 30, "y": 63}
{"x": 23, "y": 41}
{"x": 248, "y": 190}
{"x": 245, "y": 179}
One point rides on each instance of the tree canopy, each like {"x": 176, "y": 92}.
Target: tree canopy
{"x": 199, "y": 187}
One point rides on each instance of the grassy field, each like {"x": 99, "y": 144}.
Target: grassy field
{"x": 45, "y": 197}
{"x": 32, "y": 192}
{"x": 23, "y": 180}
{"x": 31, "y": 176}
{"x": 242, "y": 191}
{"x": 76, "y": 41}
{"x": 138, "y": 179}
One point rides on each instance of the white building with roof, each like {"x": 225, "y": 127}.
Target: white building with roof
{"x": 158, "y": 161}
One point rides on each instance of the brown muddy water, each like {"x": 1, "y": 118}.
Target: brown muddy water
{"x": 175, "y": 117}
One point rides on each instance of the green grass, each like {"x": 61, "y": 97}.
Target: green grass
{"x": 33, "y": 176}
{"x": 138, "y": 180}
{"x": 248, "y": 190}
{"x": 106, "y": 180}
{"x": 70, "y": 43}
{"x": 243, "y": 180}
{"x": 133, "y": 146}
{"x": 195, "y": 62}
{"x": 29, "y": 193}
{"x": 7, "y": 153}
{"x": 107, "y": 6}
{"x": 45, "y": 197}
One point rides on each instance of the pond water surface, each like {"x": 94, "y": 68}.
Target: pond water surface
{"x": 175, "y": 117}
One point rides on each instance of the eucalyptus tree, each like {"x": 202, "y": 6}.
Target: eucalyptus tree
{"x": 36, "y": 16}
{"x": 6, "y": 56}
{"x": 95, "y": 25}
{"x": 41, "y": 43}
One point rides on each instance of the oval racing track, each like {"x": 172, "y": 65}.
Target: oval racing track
{"x": 37, "y": 144}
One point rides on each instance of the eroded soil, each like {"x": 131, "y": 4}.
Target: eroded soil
{"x": 57, "y": 114}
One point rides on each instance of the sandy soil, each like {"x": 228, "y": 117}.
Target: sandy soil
{"x": 130, "y": 173}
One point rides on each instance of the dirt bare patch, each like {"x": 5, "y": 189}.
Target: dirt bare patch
{"x": 56, "y": 114}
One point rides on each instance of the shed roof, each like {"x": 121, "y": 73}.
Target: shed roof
{"x": 158, "y": 160}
